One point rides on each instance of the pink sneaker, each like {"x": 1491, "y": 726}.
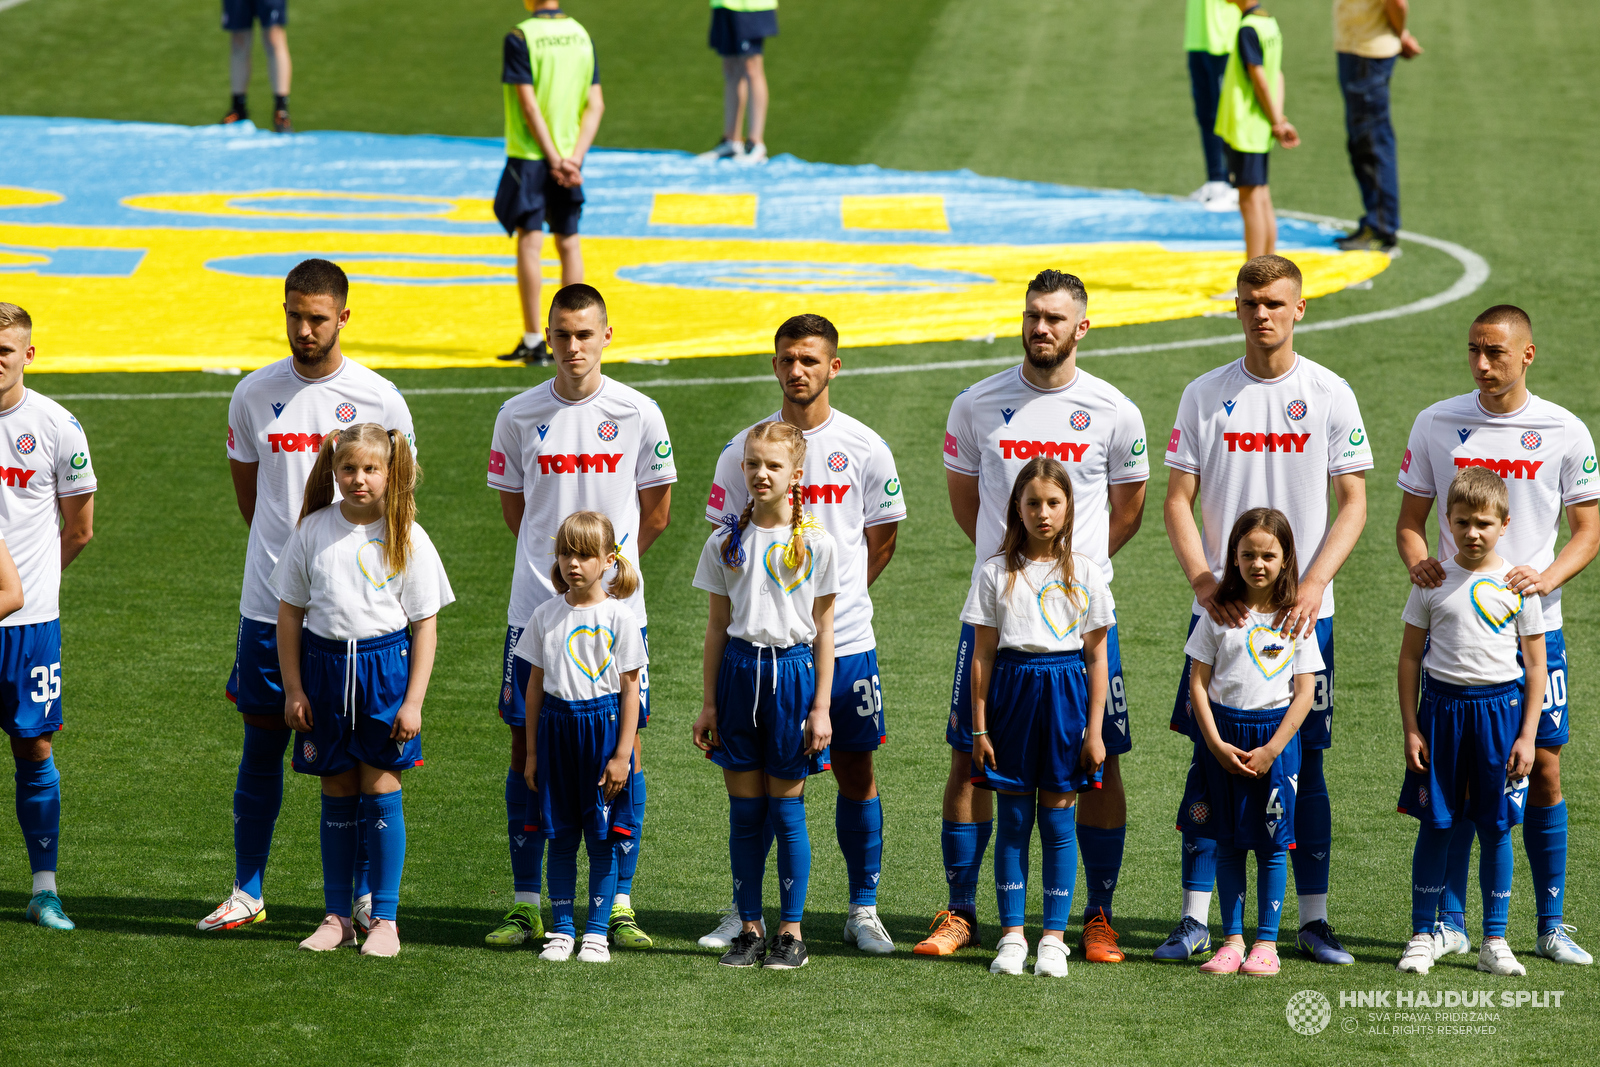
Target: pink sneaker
{"x": 382, "y": 940}
{"x": 334, "y": 933}
{"x": 1226, "y": 960}
{"x": 1263, "y": 960}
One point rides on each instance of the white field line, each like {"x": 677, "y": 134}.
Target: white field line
{"x": 1474, "y": 272}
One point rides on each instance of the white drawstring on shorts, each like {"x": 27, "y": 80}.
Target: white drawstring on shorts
{"x": 756, "y": 704}
{"x": 350, "y": 681}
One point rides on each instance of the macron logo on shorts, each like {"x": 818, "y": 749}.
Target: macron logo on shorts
{"x": 950, "y": 445}
{"x": 497, "y": 462}
{"x": 717, "y": 498}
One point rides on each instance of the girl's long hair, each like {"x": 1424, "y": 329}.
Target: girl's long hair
{"x": 1014, "y": 546}
{"x": 589, "y": 533}
{"x": 795, "y": 554}
{"x": 1287, "y": 588}
{"x": 399, "y": 499}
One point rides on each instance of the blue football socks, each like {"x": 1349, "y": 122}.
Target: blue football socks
{"x": 788, "y": 815}
{"x": 1015, "y": 833}
{"x": 527, "y": 846}
{"x": 1102, "y": 864}
{"x": 39, "y": 810}
{"x": 859, "y": 824}
{"x": 747, "y": 852}
{"x": 1544, "y": 837}
{"x": 1058, "y": 839}
{"x": 1231, "y": 888}
{"x": 386, "y": 843}
{"x": 963, "y": 845}
{"x": 1313, "y": 827}
{"x": 257, "y": 797}
{"x": 341, "y": 824}
{"x": 1272, "y": 882}
{"x": 1458, "y": 867}
{"x": 604, "y": 856}
{"x": 564, "y": 880}
{"x": 628, "y": 850}
{"x": 1199, "y": 863}
{"x": 1494, "y": 878}
{"x": 1427, "y": 876}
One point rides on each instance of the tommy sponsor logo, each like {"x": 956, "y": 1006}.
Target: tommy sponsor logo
{"x": 583, "y": 463}
{"x": 295, "y": 442}
{"x": 1505, "y": 468}
{"x": 824, "y": 494}
{"x": 1266, "y": 442}
{"x": 1066, "y": 451}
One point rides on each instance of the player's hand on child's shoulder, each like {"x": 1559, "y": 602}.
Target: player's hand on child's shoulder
{"x": 1300, "y": 617}
{"x": 1526, "y": 580}
{"x": 1428, "y": 573}
{"x": 1230, "y": 613}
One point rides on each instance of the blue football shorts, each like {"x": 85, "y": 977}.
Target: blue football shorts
{"x": 30, "y": 679}
{"x": 763, "y": 698}
{"x": 255, "y": 684}
{"x": 1469, "y": 732}
{"x": 354, "y": 700}
{"x": 1248, "y": 813}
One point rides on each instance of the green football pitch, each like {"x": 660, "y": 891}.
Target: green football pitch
{"x": 1500, "y": 142}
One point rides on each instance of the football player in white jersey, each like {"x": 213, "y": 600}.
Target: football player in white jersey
{"x": 1546, "y": 456}
{"x": 577, "y": 442}
{"x": 851, "y": 485}
{"x": 1271, "y": 429}
{"x": 46, "y": 517}
{"x": 1045, "y": 406}
{"x": 277, "y": 419}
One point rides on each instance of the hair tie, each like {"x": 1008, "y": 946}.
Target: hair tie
{"x": 730, "y": 526}
{"x": 616, "y": 550}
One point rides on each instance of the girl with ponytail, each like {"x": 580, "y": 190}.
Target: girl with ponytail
{"x": 585, "y": 655}
{"x": 768, "y": 682}
{"x": 360, "y": 586}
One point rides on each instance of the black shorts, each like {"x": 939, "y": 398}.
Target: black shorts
{"x": 1246, "y": 168}
{"x": 741, "y": 33}
{"x": 528, "y": 198}
{"x": 239, "y": 15}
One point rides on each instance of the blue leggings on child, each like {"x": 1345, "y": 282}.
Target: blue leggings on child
{"x": 527, "y": 846}
{"x": 564, "y": 881}
{"x": 1437, "y": 851}
{"x": 747, "y": 852}
{"x": 1272, "y": 878}
{"x": 257, "y": 798}
{"x": 39, "y": 810}
{"x": 1544, "y": 838}
{"x": 788, "y": 815}
{"x": 1102, "y": 862}
{"x": 386, "y": 845}
{"x": 963, "y": 845}
{"x": 1059, "y": 841}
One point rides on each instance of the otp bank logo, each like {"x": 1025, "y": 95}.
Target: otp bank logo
{"x": 1266, "y": 442}
{"x": 1506, "y": 468}
{"x": 568, "y": 463}
{"x": 1066, "y": 451}
{"x": 295, "y": 442}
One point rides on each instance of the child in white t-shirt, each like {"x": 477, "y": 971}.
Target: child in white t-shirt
{"x": 1251, "y": 687}
{"x": 1471, "y": 716}
{"x": 359, "y": 586}
{"x": 1039, "y": 614}
{"x": 583, "y": 711}
{"x": 768, "y": 680}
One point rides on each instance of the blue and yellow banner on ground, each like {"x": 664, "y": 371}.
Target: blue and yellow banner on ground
{"x": 143, "y": 248}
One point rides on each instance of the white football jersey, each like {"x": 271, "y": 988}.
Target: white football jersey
{"x": 1000, "y": 423}
{"x": 1544, "y": 453}
{"x": 45, "y": 456}
{"x": 565, "y": 456}
{"x": 770, "y": 604}
{"x": 1252, "y": 666}
{"x": 278, "y": 419}
{"x": 339, "y": 573}
{"x": 1268, "y": 444}
{"x": 1039, "y": 614}
{"x": 1474, "y": 625}
{"x": 850, "y": 483}
{"x": 584, "y": 652}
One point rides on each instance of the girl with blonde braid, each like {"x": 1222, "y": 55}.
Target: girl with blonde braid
{"x": 768, "y": 679}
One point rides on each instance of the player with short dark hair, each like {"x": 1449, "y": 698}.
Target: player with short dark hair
{"x": 277, "y": 420}
{"x": 239, "y": 18}
{"x": 850, "y": 483}
{"x": 54, "y": 482}
{"x": 550, "y": 82}
{"x": 1046, "y": 406}
{"x": 1271, "y": 429}
{"x": 1546, "y": 456}
{"x": 578, "y": 442}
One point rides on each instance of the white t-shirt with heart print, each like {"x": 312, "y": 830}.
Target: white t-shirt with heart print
{"x": 1039, "y": 614}
{"x": 1252, "y": 666}
{"x": 1474, "y": 625}
{"x": 584, "y": 652}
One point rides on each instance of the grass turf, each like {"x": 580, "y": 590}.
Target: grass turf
{"x": 1498, "y": 131}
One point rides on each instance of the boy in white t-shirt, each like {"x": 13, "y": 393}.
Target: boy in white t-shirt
{"x": 1469, "y": 740}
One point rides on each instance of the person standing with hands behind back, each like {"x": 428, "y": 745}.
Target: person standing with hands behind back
{"x": 1250, "y": 117}
{"x": 550, "y": 79}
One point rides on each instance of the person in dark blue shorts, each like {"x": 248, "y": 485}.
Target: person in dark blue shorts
{"x": 739, "y": 30}
{"x": 238, "y": 17}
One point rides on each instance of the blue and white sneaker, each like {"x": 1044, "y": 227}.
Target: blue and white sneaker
{"x": 1449, "y": 941}
{"x": 1557, "y": 946}
{"x": 45, "y": 910}
{"x": 1318, "y": 942}
{"x": 1189, "y": 938}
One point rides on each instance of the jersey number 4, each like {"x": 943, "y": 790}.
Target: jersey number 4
{"x": 48, "y": 681}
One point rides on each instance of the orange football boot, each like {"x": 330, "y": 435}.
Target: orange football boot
{"x": 950, "y": 932}
{"x": 1099, "y": 941}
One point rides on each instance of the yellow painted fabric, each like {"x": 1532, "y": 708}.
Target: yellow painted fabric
{"x": 893, "y": 213}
